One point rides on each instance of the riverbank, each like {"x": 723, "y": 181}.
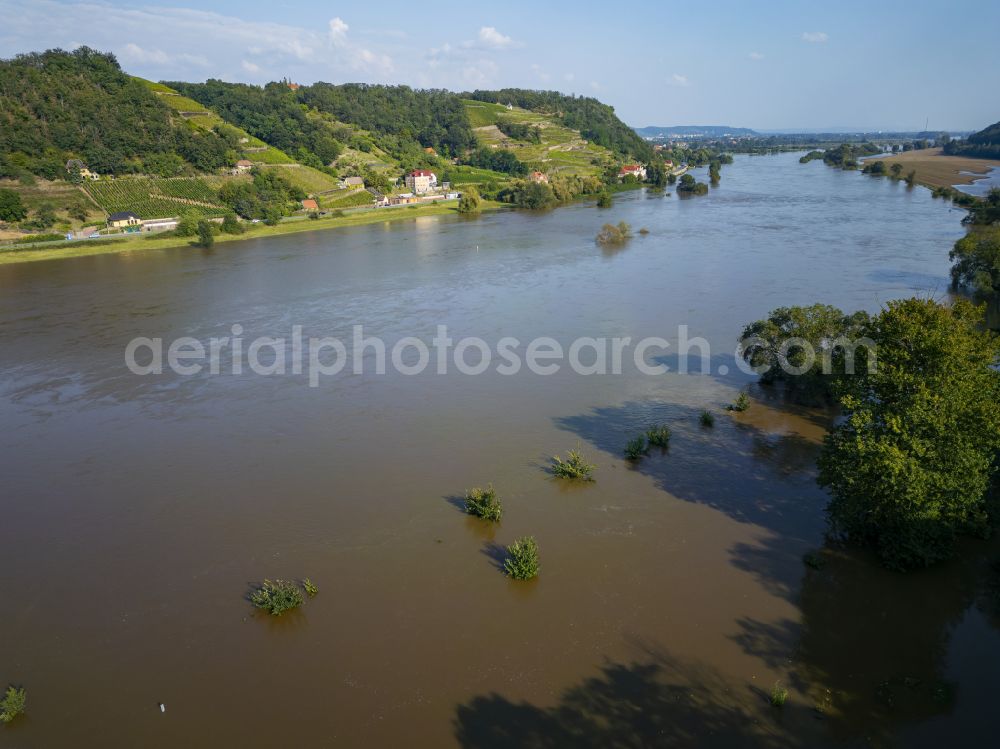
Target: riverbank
{"x": 936, "y": 169}
{"x": 81, "y": 248}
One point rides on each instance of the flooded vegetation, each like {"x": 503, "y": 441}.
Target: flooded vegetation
{"x": 688, "y": 596}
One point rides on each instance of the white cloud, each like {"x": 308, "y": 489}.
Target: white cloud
{"x": 815, "y": 37}
{"x": 679, "y": 80}
{"x": 180, "y": 51}
{"x": 490, "y": 37}
{"x": 338, "y": 29}
{"x": 756, "y": 56}
{"x": 250, "y": 67}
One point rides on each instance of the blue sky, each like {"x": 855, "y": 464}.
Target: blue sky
{"x": 888, "y": 65}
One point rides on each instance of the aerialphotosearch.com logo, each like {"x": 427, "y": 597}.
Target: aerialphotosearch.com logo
{"x": 324, "y": 357}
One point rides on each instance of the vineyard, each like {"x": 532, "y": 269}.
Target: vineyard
{"x": 156, "y": 198}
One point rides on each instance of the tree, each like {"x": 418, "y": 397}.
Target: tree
{"x": 206, "y": 238}
{"x": 11, "y": 207}
{"x": 605, "y": 200}
{"x": 809, "y": 349}
{"x": 976, "y": 260}
{"x": 187, "y": 226}
{"x": 896, "y": 170}
{"x": 909, "y": 465}
{"x": 231, "y": 225}
{"x": 470, "y": 202}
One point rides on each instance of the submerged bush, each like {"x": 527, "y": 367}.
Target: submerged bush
{"x": 658, "y": 436}
{"x": 707, "y": 419}
{"x": 277, "y": 597}
{"x": 484, "y": 503}
{"x": 742, "y": 403}
{"x": 635, "y": 448}
{"x": 611, "y": 234}
{"x": 12, "y": 704}
{"x": 574, "y": 467}
{"x": 309, "y": 587}
{"x": 779, "y": 695}
{"x": 522, "y": 559}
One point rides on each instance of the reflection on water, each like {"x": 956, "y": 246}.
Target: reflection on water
{"x": 672, "y": 593}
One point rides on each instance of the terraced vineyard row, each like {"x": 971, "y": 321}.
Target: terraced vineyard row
{"x": 149, "y": 198}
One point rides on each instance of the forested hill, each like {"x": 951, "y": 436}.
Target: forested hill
{"x": 57, "y": 105}
{"x": 984, "y": 144}
{"x": 319, "y": 120}
{"x": 595, "y": 121}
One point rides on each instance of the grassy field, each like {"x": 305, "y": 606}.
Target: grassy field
{"x": 471, "y": 175}
{"x": 562, "y": 151}
{"x": 80, "y": 248}
{"x": 935, "y": 169}
{"x": 346, "y": 199}
{"x": 305, "y": 177}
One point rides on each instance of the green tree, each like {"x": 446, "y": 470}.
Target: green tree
{"x": 231, "y": 225}
{"x": 206, "y": 237}
{"x": 809, "y": 349}
{"x": 976, "y": 260}
{"x": 187, "y": 226}
{"x": 605, "y": 200}
{"x": 11, "y": 207}
{"x": 896, "y": 170}
{"x": 909, "y": 466}
{"x": 470, "y": 202}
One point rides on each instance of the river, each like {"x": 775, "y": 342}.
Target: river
{"x": 138, "y": 510}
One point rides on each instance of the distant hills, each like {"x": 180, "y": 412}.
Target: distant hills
{"x": 694, "y": 131}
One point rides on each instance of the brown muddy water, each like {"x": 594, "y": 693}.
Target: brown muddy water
{"x": 135, "y": 512}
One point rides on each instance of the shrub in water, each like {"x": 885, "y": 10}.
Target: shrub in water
{"x": 707, "y": 419}
{"x": 574, "y": 467}
{"x": 277, "y": 597}
{"x": 779, "y": 695}
{"x": 658, "y": 436}
{"x": 742, "y": 403}
{"x": 635, "y": 448}
{"x": 522, "y": 559}
{"x": 813, "y": 560}
{"x": 484, "y": 503}
{"x": 309, "y": 587}
{"x": 12, "y": 704}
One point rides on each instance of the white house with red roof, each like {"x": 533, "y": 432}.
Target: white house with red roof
{"x": 636, "y": 170}
{"x": 421, "y": 181}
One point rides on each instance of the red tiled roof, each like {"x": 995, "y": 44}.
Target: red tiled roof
{"x": 631, "y": 168}
{"x": 421, "y": 173}
{"x": 309, "y": 203}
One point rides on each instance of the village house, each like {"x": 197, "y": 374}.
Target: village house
{"x": 421, "y": 181}
{"x": 243, "y": 166}
{"x": 636, "y": 170}
{"x": 354, "y": 183}
{"x": 540, "y": 177}
{"x": 310, "y": 205}
{"x": 123, "y": 219}
{"x": 75, "y": 165}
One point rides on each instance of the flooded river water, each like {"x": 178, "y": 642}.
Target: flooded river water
{"x": 137, "y": 511}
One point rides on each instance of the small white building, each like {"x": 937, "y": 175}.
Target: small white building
{"x": 243, "y": 166}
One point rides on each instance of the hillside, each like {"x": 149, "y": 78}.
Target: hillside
{"x": 538, "y": 140}
{"x": 59, "y": 105}
{"x": 596, "y": 122}
{"x": 984, "y": 145}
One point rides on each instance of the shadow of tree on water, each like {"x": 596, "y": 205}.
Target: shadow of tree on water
{"x": 658, "y": 703}
{"x": 751, "y": 475}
